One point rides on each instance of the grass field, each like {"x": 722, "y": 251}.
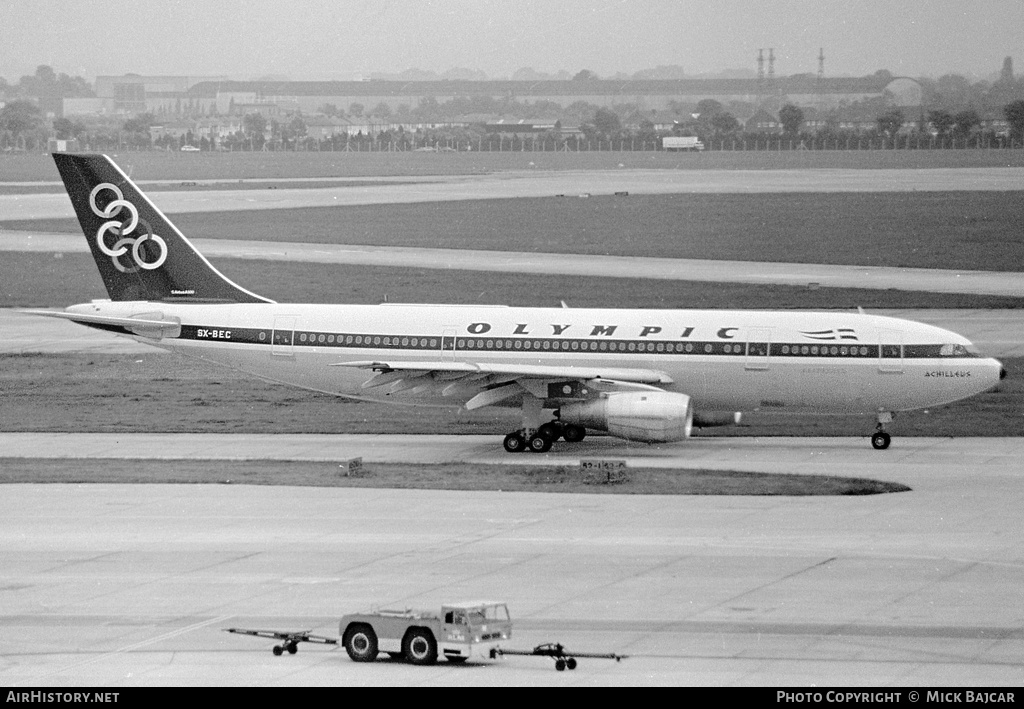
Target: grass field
{"x": 157, "y": 165}
{"x": 504, "y": 478}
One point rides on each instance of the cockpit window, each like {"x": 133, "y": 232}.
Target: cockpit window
{"x": 954, "y": 350}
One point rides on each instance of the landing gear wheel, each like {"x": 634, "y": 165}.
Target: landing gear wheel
{"x": 514, "y": 443}
{"x": 560, "y": 665}
{"x": 292, "y": 648}
{"x": 361, "y": 643}
{"x": 880, "y": 440}
{"x": 419, "y": 647}
{"x": 539, "y": 444}
{"x": 278, "y": 650}
{"x": 571, "y": 663}
{"x": 551, "y": 431}
{"x": 573, "y": 434}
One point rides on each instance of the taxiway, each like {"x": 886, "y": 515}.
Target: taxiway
{"x": 108, "y": 585}
{"x": 539, "y": 183}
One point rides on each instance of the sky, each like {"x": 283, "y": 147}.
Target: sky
{"x": 340, "y": 39}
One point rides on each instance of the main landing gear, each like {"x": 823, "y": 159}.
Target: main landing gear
{"x": 880, "y": 439}
{"x": 541, "y": 440}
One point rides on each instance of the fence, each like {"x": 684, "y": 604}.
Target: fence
{"x": 497, "y": 144}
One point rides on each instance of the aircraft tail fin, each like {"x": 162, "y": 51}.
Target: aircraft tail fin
{"x": 141, "y": 255}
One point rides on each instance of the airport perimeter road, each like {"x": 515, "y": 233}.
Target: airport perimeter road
{"x": 999, "y": 333}
{"x": 572, "y": 183}
{"x": 108, "y": 585}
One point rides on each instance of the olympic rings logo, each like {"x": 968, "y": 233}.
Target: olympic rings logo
{"x": 122, "y": 228}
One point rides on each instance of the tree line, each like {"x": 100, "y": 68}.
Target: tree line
{"x": 952, "y": 107}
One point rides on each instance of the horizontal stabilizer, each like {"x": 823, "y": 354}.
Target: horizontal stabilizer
{"x": 142, "y": 326}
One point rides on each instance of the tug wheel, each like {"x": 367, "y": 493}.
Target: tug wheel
{"x": 419, "y": 647}
{"x": 360, "y": 643}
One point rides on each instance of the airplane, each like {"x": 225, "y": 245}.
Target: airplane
{"x": 641, "y": 375}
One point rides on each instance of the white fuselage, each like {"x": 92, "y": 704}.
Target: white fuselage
{"x": 824, "y": 362}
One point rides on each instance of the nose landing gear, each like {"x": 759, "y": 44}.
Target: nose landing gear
{"x": 880, "y": 439}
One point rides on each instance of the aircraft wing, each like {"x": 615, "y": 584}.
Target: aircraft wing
{"x": 489, "y": 384}
{"x": 152, "y": 325}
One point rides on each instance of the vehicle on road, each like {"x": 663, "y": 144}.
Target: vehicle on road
{"x": 685, "y": 142}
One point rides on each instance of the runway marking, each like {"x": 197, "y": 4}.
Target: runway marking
{"x": 135, "y": 646}
{"x": 787, "y": 577}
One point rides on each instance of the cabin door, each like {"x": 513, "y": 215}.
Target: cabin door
{"x": 890, "y": 351}
{"x": 283, "y": 338}
{"x": 448, "y": 344}
{"x": 759, "y": 344}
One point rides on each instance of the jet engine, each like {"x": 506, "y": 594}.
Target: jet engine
{"x": 649, "y": 416}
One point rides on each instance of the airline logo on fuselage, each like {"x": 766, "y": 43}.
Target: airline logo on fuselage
{"x": 481, "y": 328}
{"x": 122, "y": 228}
{"x": 839, "y": 333}
{"x": 723, "y": 333}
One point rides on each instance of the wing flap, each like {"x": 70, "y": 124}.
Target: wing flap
{"x": 450, "y": 370}
{"x": 490, "y": 397}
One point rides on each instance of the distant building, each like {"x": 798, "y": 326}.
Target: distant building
{"x": 802, "y": 90}
{"x": 55, "y": 145}
{"x": 87, "y": 106}
{"x": 763, "y": 122}
{"x": 267, "y": 109}
{"x": 215, "y": 128}
{"x": 138, "y": 93}
{"x": 519, "y": 126}
{"x": 323, "y": 127}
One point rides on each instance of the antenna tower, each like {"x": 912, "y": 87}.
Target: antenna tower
{"x": 821, "y": 79}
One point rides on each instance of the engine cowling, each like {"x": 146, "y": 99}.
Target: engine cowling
{"x": 648, "y": 416}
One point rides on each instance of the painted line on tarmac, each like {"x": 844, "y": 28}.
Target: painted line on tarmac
{"x": 133, "y": 646}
